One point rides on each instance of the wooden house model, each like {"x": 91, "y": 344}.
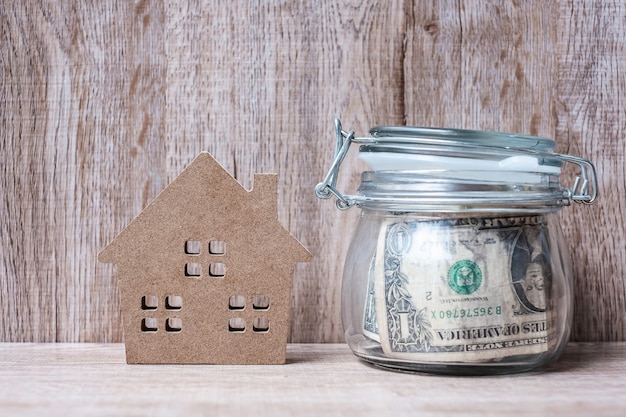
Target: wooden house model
{"x": 205, "y": 272}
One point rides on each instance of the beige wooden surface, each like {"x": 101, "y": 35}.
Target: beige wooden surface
{"x": 318, "y": 380}
{"x": 103, "y": 103}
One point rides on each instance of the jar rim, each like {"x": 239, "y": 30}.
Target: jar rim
{"x": 459, "y": 191}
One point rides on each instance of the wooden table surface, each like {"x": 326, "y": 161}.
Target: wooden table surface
{"x": 319, "y": 379}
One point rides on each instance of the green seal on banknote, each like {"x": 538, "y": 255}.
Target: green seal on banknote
{"x": 465, "y": 277}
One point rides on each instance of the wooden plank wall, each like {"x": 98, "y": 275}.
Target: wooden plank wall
{"x": 103, "y": 103}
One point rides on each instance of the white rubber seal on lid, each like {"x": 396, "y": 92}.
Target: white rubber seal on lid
{"x": 505, "y": 169}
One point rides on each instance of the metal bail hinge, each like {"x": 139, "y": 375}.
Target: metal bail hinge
{"x": 327, "y": 188}
{"x": 585, "y": 188}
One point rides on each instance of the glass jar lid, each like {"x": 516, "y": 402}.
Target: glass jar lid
{"x": 432, "y": 169}
{"x": 462, "y": 137}
{"x": 418, "y": 148}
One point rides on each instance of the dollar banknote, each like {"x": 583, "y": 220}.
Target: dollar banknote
{"x": 461, "y": 290}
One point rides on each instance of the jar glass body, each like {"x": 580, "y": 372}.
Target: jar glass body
{"x": 455, "y": 293}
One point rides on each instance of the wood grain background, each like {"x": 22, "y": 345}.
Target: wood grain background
{"x": 103, "y": 103}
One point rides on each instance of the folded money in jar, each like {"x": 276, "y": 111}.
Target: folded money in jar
{"x": 458, "y": 264}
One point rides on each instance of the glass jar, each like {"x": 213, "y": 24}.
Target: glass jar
{"x": 458, "y": 264}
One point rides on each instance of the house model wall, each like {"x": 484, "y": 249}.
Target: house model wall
{"x": 205, "y": 272}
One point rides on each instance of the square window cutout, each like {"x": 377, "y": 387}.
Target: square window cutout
{"x": 217, "y": 269}
{"x": 260, "y": 302}
{"x": 149, "y": 325}
{"x": 217, "y": 247}
{"x": 149, "y": 302}
{"x": 237, "y": 302}
{"x": 173, "y": 325}
{"x": 236, "y": 325}
{"x": 261, "y": 325}
{"x": 193, "y": 269}
{"x": 173, "y": 302}
{"x": 193, "y": 247}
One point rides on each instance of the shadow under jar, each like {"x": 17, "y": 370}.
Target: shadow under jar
{"x": 458, "y": 264}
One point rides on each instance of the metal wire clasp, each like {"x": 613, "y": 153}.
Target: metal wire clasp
{"x": 585, "y": 189}
{"x": 327, "y": 188}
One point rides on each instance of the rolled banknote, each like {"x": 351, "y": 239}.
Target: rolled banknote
{"x": 461, "y": 290}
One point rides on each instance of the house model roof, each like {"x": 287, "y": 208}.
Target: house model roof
{"x": 205, "y": 271}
